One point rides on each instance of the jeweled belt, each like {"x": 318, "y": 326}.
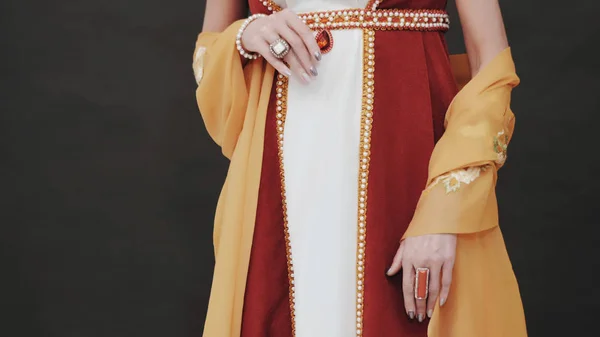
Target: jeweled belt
{"x": 381, "y": 19}
{"x": 385, "y": 19}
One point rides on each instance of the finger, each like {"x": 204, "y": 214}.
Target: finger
{"x": 295, "y": 23}
{"x": 434, "y": 288}
{"x": 408, "y": 288}
{"x": 397, "y": 262}
{"x": 298, "y": 48}
{"x": 421, "y": 304}
{"x": 281, "y": 67}
{"x": 270, "y": 36}
{"x": 446, "y": 281}
{"x": 297, "y": 67}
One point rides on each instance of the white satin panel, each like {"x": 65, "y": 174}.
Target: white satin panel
{"x": 320, "y": 156}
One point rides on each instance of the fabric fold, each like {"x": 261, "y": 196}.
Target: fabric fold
{"x": 226, "y": 86}
{"x": 460, "y": 193}
{"x": 460, "y": 198}
{"x": 233, "y": 101}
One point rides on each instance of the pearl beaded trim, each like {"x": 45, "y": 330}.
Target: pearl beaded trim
{"x": 373, "y": 18}
{"x": 271, "y": 6}
{"x": 373, "y": 4}
{"x": 281, "y": 108}
{"x": 382, "y": 19}
{"x": 238, "y": 38}
{"x": 366, "y": 124}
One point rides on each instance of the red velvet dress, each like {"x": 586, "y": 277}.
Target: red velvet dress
{"x": 414, "y": 86}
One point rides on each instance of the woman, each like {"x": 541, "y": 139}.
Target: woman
{"x": 359, "y": 200}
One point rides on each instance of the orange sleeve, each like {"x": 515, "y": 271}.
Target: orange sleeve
{"x": 233, "y": 101}
{"x": 460, "y": 198}
{"x": 224, "y": 85}
{"x": 460, "y": 193}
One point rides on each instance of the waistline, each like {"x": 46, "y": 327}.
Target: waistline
{"x": 380, "y": 19}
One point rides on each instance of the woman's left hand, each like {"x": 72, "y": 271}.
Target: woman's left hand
{"x": 434, "y": 251}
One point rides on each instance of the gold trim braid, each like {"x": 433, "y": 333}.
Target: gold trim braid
{"x": 366, "y": 125}
{"x": 281, "y": 108}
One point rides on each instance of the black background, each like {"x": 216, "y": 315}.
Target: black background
{"x": 109, "y": 180}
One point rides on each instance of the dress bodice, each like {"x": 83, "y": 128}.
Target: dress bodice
{"x": 315, "y": 5}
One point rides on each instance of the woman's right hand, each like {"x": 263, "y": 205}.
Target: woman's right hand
{"x": 304, "y": 52}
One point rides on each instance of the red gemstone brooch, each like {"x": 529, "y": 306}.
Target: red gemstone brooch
{"x": 324, "y": 40}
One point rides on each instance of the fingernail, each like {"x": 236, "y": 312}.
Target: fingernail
{"x": 429, "y": 313}
{"x": 318, "y": 55}
{"x": 305, "y": 77}
{"x": 420, "y": 317}
{"x": 313, "y": 71}
{"x": 287, "y": 73}
{"x": 442, "y": 301}
{"x": 411, "y": 314}
{"x": 389, "y": 272}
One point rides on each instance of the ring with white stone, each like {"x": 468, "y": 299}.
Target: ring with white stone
{"x": 279, "y": 48}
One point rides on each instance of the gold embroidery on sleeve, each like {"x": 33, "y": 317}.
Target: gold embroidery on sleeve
{"x": 501, "y": 146}
{"x": 452, "y": 181}
{"x": 198, "y": 64}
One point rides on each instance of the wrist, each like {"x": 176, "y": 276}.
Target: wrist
{"x": 238, "y": 41}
